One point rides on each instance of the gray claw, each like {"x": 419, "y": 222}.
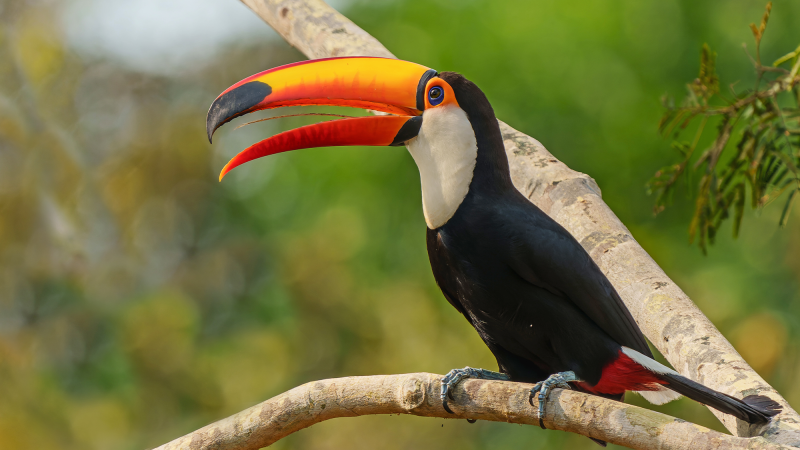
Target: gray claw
{"x": 559, "y": 380}
{"x": 455, "y": 376}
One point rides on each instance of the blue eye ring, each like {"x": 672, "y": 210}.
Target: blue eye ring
{"x": 435, "y": 95}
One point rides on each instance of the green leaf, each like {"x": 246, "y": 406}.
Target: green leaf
{"x": 787, "y": 57}
{"x": 789, "y": 163}
{"x": 739, "y": 205}
{"x": 788, "y": 207}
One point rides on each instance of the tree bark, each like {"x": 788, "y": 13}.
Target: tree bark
{"x": 418, "y": 394}
{"x": 666, "y": 315}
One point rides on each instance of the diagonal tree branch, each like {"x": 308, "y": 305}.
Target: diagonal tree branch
{"x": 417, "y": 394}
{"x": 664, "y": 312}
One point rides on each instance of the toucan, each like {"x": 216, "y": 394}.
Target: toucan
{"x": 534, "y": 295}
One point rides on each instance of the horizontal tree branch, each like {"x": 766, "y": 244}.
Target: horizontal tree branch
{"x": 667, "y": 316}
{"x": 418, "y": 394}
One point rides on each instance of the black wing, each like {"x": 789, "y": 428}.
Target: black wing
{"x": 548, "y": 256}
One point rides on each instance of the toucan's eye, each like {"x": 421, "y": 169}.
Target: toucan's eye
{"x": 435, "y": 95}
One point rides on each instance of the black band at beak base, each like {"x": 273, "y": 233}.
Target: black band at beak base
{"x": 421, "y": 88}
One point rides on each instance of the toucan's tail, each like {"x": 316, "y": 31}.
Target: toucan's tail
{"x": 751, "y": 409}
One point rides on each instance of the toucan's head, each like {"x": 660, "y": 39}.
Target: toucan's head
{"x": 439, "y": 117}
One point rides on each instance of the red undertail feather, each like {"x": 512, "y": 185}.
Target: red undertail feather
{"x": 624, "y": 374}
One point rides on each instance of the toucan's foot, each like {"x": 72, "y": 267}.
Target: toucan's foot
{"x": 559, "y": 380}
{"x": 455, "y": 376}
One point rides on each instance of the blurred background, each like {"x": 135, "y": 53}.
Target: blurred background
{"x": 140, "y": 299}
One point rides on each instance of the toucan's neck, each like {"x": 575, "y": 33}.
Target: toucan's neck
{"x": 491, "y": 173}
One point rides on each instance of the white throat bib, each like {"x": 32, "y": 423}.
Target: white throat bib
{"x": 445, "y": 151}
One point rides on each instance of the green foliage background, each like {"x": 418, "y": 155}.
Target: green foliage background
{"x": 140, "y": 299}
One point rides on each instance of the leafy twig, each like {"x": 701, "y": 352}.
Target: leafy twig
{"x": 767, "y": 136}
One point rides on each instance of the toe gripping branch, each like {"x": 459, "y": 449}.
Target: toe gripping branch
{"x": 455, "y": 376}
{"x": 559, "y": 380}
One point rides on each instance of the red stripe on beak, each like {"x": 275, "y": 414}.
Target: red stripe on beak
{"x": 377, "y": 131}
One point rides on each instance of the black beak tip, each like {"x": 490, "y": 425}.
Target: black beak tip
{"x": 210, "y": 126}
{"x": 235, "y": 103}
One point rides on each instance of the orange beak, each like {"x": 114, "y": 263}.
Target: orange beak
{"x": 379, "y": 84}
